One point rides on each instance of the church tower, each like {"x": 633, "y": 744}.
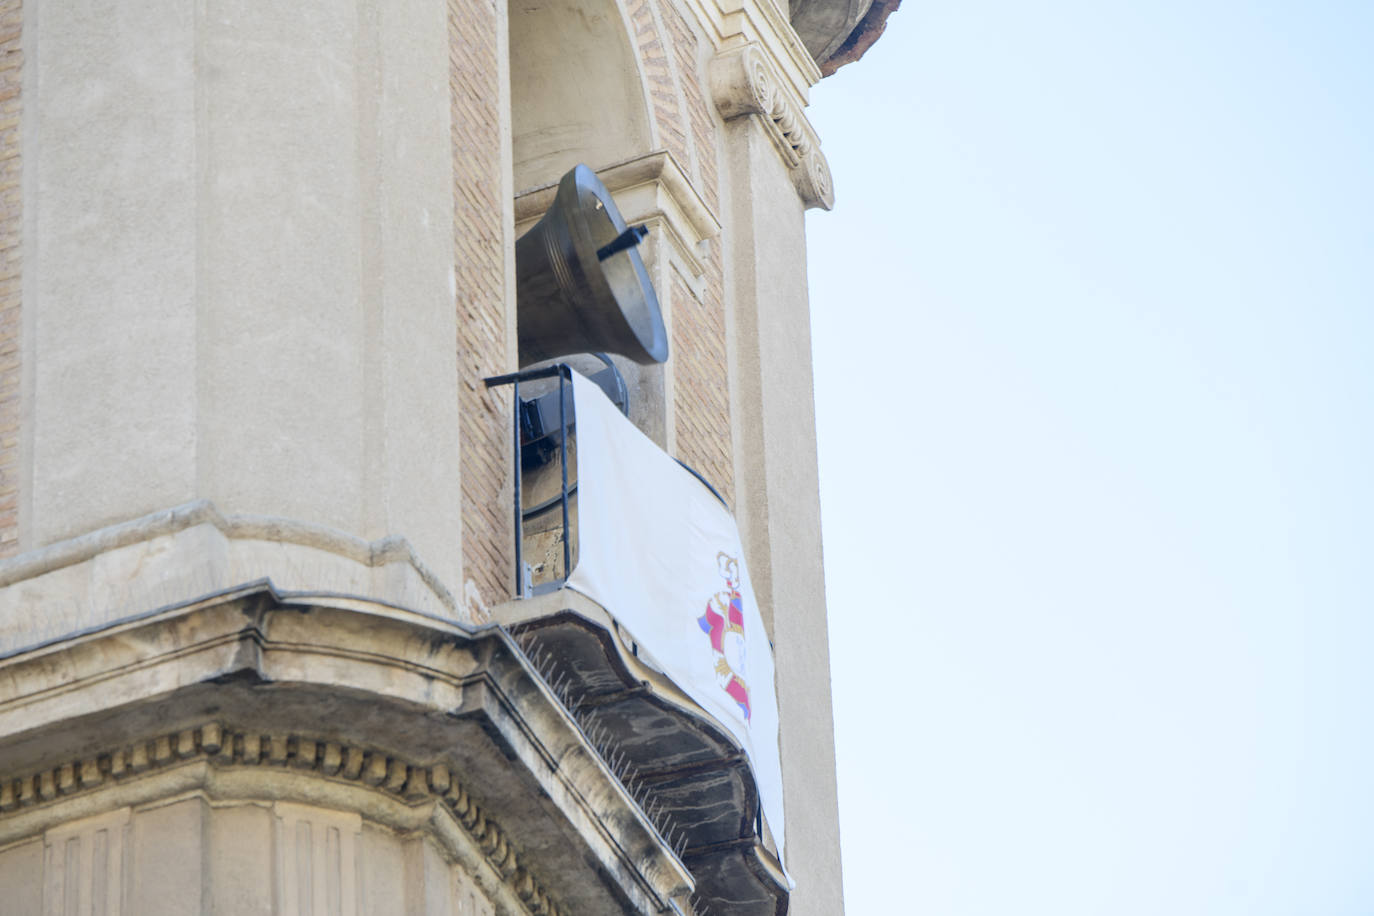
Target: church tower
{"x": 291, "y": 619}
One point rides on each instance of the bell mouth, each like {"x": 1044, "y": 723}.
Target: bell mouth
{"x": 622, "y": 276}
{"x": 581, "y": 282}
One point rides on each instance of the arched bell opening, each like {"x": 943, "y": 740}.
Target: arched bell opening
{"x": 578, "y": 96}
{"x": 577, "y": 92}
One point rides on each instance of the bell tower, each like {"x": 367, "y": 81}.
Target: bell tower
{"x": 264, "y": 642}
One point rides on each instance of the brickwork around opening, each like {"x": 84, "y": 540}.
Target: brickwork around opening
{"x": 701, "y": 395}
{"x": 658, "y": 74}
{"x": 687, "y": 50}
{"x": 479, "y": 264}
{"x": 11, "y": 252}
{"x": 701, "y": 392}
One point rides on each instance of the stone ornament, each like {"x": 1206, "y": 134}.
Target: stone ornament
{"x": 744, "y": 83}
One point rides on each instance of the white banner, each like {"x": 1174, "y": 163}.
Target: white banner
{"x": 661, "y": 553}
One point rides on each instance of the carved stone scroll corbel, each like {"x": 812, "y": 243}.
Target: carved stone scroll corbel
{"x": 744, "y": 83}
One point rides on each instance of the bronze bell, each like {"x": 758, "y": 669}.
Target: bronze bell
{"x": 581, "y": 285}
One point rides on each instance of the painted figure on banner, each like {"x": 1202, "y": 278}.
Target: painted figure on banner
{"x": 723, "y": 624}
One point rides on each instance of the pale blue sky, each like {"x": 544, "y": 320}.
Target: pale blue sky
{"x": 1093, "y": 323}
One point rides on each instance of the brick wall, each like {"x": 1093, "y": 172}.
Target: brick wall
{"x": 670, "y": 56}
{"x": 11, "y": 201}
{"x": 698, "y": 117}
{"x": 653, "y": 56}
{"x": 479, "y": 265}
{"x": 701, "y": 400}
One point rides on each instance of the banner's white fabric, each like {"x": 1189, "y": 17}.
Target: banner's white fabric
{"x": 663, "y": 556}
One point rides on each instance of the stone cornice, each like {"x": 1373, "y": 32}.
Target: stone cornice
{"x": 659, "y": 166}
{"x": 192, "y": 550}
{"x": 745, "y": 83}
{"x": 731, "y": 23}
{"x": 358, "y": 695}
{"x": 392, "y": 549}
{"x": 653, "y": 189}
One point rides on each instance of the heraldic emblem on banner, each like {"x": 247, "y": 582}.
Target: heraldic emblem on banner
{"x": 723, "y": 623}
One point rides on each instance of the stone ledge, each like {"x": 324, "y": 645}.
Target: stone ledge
{"x": 652, "y": 189}
{"x": 731, "y": 23}
{"x": 193, "y": 550}
{"x": 251, "y": 684}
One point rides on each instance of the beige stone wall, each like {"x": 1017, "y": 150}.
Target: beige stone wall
{"x": 478, "y": 205}
{"x": 256, "y": 856}
{"x": 779, "y": 505}
{"x": 11, "y": 252}
{"x": 576, "y": 92}
{"x": 339, "y": 381}
{"x": 357, "y": 714}
{"x": 253, "y": 302}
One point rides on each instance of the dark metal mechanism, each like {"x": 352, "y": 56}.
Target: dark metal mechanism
{"x": 627, "y": 239}
{"x": 539, "y": 430}
{"x": 541, "y": 427}
{"x": 581, "y": 285}
{"x": 565, "y": 414}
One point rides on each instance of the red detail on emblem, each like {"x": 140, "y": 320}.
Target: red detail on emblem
{"x": 739, "y": 692}
{"x": 723, "y": 624}
{"x": 714, "y": 626}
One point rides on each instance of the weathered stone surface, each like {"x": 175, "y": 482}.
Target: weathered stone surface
{"x": 838, "y": 32}
{"x": 230, "y": 702}
{"x": 256, "y": 268}
{"x": 688, "y": 774}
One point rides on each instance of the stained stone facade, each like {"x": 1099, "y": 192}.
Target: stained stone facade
{"x": 259, "y": 652}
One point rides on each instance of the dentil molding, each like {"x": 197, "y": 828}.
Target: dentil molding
{"x": 337, "y": 701}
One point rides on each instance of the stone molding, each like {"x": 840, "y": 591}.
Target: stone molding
{"x": 745, "y": 83}
{"x": 244, "y": 693}
{"x": 762, "y": 61}
{"x": 617, "y": 695}
{"x": 220, "y": 746}
{"x": 732, "y": 23}
{"x": 653, "y": 189}
{"x": 191, "y": 551}
{"x": 390, "y": 549}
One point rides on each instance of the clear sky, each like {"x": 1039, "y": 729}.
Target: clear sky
{"x": 1093, "y": 325}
